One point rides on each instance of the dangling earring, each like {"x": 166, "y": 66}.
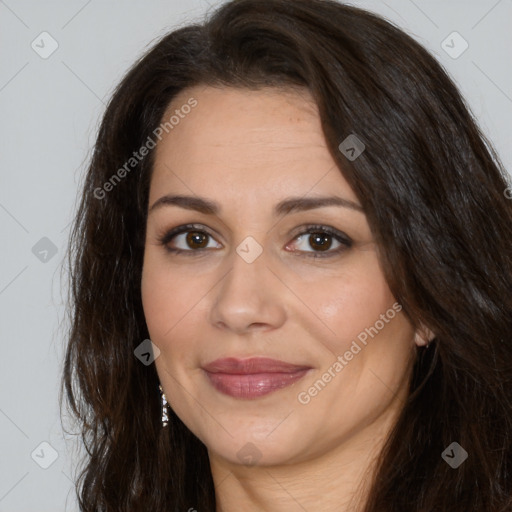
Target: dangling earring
{"x": 165, "y": 405}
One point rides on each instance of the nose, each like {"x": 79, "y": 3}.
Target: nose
{"x": 249, "y": 297}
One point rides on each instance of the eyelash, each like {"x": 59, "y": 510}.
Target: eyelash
{"x": 345, "y": 241}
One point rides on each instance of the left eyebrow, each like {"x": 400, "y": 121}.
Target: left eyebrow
{"x": 285, "y": 207}
{"x": 298, "y": 204}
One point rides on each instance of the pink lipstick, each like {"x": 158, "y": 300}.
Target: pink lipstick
{"x": 252, "y": 378}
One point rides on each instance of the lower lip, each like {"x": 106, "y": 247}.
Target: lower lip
{"x": 253, "y": 385}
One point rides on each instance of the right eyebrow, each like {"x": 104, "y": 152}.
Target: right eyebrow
{"x": 188, "y": 202}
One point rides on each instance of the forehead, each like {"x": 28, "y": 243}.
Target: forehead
{"x": 246, "y": 139}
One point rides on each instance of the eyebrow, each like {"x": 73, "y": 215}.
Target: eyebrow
{"x": 289, "y": 205}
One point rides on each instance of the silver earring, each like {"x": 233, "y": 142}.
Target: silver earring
{"x": 165, "y": 405}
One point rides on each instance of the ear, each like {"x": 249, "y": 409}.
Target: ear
{"x": 423, "y": 336}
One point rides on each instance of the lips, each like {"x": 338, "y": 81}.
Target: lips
{"x": 252, "y": 378}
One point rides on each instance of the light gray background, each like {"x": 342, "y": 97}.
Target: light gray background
{"x": 50, "y": 110}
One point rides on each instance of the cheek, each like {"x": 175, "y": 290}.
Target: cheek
{"x": 351, "y": 301}
{"x": 156, "y": 302}
{"x": 169, "y": 301}
{"x": 175, "y": 306}
{"x": 165, "y": 298}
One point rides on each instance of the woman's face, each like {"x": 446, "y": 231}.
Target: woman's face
{"x": 256, "y": 173}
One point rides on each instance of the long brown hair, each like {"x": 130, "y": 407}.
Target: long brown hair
{"x": 433, "y": 190}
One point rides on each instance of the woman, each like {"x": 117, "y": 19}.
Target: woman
{"x": 293, "y": 203}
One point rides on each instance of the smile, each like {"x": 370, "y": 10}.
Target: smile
{"x": 252, "y": 378}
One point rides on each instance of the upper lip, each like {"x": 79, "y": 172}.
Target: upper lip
{"x": 233, "y": 365}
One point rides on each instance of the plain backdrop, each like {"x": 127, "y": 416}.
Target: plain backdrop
{"x": 50, "y": 107}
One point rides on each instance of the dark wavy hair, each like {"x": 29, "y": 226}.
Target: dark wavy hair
{"x": 433, "y": 190}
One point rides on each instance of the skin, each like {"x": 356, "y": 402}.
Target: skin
{"x": 248, "y": 150}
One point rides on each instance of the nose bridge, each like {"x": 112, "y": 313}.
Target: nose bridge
{"x": 246, "y": 295}
{"x": 248, "y": 266}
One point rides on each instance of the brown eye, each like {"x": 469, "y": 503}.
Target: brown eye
{"x": 317, "y": 242}
{"x": 188, "y": 239}
{"x": 320, "y": 241}
{"x": 196, "y": 239}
